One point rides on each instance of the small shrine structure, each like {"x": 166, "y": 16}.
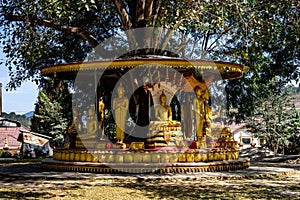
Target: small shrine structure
{"x": 145, "y": 114}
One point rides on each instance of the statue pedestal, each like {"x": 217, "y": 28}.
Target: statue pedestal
{"x": 165, "y": 134}
{"x": 226, "y": 141}
{"x": 90, "y": 143}
{"x": 137, "y": 146}
{"x": 201, "y": 142}
{"x": 102, "y": 144}
{"x": 84, "y": 142}
{"x": 171, "y": 160}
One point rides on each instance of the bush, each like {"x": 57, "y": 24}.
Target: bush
{"x": 5, "y": 154}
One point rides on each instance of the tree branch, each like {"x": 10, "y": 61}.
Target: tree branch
{"x": 47, "y": 23}
{"x": 148, "y": 9}
{"x": 220, "y": 35}
{"x": 157, "y": 11}
{"x": 139, "y": 9}
{"x": 123, "y": 14}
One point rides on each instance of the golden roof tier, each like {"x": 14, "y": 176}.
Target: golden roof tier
{"x": 69, "y": 71}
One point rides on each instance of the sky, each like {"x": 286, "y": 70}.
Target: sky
{"x": 22, "y": 99}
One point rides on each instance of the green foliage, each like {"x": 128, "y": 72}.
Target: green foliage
{"x": 270, "y": 49}
{"x": 5, "y": 154}
{"x": 53, "y": 111}
{"x": 21, "y": 118}
{"x": 263, "y": 35}
{"x": 277, "y": 121}
{"x": 49, "y": 32}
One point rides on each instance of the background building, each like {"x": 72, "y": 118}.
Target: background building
{"x": 9, "y": 133}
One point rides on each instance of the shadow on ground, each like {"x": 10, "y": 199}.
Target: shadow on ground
{"x": 277, "y": 188}
{"x": 25, "y": 195}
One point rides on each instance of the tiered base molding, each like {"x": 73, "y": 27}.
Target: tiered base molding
{"x": 171, "y": 160}
{"x": 162, "y": 155}
{"x": 121, "y": 168}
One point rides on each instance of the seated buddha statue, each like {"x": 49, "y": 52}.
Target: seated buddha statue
{"x": 163, "y": 112}
{"x": 73, "y": 130}
{"x": 164, "y": 132}
{"x": 91, "y": 125}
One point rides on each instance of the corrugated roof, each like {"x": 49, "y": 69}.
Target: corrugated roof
{"x": 11, "y": 133}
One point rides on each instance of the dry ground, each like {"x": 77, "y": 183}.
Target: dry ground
{"x": 272, "y": 187}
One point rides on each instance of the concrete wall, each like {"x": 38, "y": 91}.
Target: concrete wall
{"x": 247, "y": 138}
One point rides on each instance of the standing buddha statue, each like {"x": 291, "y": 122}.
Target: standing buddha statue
{"x": 199, "y": 110}
{"x": 101, "y": 107}
{"x": 120, "y": 107}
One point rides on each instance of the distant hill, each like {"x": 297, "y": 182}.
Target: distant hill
{"x": 29, "y": 114}
{"x": 23, "y": 119}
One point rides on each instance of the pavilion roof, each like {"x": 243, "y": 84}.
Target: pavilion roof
{"x": 68, "y": 71}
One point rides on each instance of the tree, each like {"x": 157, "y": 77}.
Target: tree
{"x": 36, "y": 34}
{"x": 260, "y": 34}
{"x": 53, "y": 111}
{"x": 277, "y": 121}
{"x": 21, "y": 118}
{"x": 271, "y": 52}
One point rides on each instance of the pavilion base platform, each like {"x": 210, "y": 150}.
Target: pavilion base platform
{"x": 121, "y": 168}
{"x": 146, "y": 161}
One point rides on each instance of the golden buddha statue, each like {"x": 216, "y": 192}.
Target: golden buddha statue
{"x": 163, "y": 112}
{"x": 199, "y": 110}
{"x": 75, "y": 126}
{"x": 209, "y": 117}
{"x": 203, "y": 114}
{"x": 101, "y": 106}
{"x": 72, "y": 131}
{"x": 120, "y": 107}
{"x": 91, "y": 125}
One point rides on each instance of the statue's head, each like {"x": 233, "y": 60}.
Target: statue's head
{"x": 163, "y": 97}
{"x": 204, "y": 93}
{"x": 120, "y": 90}
{"x": 91, "y": 111}
{"x": 198, "y": 91}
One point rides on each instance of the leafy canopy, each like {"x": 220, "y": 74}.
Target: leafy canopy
{"x": 277, "y": 120}
{"x": 263, "y": 35}
{"x": 52, "y": 111}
